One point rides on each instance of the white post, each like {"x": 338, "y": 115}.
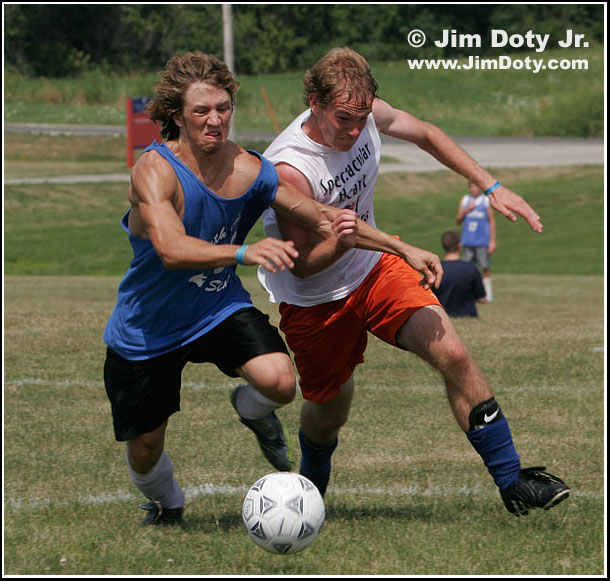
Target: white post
{"x": 227, "y": 27}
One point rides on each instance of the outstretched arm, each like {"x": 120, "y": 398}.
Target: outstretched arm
{"x": 323, "y": 233}
{"x": 359, "y": 234}
{"x": 433, "y": 140}
{"x": 155, "y": 214}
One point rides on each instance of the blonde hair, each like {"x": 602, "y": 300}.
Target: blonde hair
{"x": 342, "y": 70}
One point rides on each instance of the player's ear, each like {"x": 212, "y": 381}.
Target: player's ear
{"x": 177, "y": 118}
{"x": 313, "y": 104}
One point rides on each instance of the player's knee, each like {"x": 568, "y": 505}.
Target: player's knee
{"x": 274, "y": 377}
{"x": 142, "y": 457}
{"x": 286, "y": 388}
{"x": 326, "y": 418}
{"x": 280, "y": 386}
{"x": 340, "y": 418}
{"x": 144, "y": 451}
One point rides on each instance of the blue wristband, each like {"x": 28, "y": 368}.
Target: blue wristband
{"x": 492, "y": 188}
{"x": 241, "y": 252}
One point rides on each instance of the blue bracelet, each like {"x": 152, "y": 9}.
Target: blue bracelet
{"x": 241, "y": 252}
{"x": 492, "y": 188}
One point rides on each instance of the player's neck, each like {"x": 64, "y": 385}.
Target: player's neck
{"x": 213, "y": 168}
{"x": 205, "y": 159}
{"x": 312, "y": 129}
{"x": 452, "y": 256}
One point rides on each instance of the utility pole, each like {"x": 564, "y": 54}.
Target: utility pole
{"x": 227, "y": 28}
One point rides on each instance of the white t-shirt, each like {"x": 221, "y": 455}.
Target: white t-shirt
{"x": 340, "y": 179}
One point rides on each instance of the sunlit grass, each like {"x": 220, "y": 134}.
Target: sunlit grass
{"x": 408, "y": 495}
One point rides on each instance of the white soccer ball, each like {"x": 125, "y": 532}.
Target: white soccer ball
{"x": 283, "y": 512}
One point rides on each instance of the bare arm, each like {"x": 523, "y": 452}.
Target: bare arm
{"x": 462, "y": 212}
{"x": 433, "y": 140}
{"x": 328, "y": 232}
{"x": 156, "y": 205}
{"x": 319, "y": 245}
{"x": 316, "y": 251}
{"x": 427, "y": 263}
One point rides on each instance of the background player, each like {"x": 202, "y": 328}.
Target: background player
{"x": 478, "y": 241}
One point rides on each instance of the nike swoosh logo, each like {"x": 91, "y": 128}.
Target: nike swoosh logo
{"x": 488, "y": 419}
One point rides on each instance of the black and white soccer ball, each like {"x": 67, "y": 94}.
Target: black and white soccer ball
{"x": 283, "y": 512}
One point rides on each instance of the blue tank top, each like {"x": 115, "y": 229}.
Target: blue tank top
{"x": 476, "y": 230}
{"x": 159, "y": 310}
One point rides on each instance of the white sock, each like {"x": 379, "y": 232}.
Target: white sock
{"x": 489, "y": 294}
{"x": 159, "y": 483}
{"x": 251, "y": 404}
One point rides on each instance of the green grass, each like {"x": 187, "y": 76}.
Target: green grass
{"x": 503, "y": 102}
{"x": 74, "y": 228}
{"x": 408, "y": 494}
{"x": 570, "y": 202}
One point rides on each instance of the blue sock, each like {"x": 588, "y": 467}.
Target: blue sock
{"x": 315, "y": 462}
{"x": 494, "y": 443}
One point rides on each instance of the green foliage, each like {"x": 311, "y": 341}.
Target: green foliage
{"x": 553, "y": 19}
{"x": 67, "y": 40}
{"x": 258, "y": 35}
{"x": 564, "y": 116}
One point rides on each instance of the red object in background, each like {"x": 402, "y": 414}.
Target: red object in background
{"x": 140, "y": 129}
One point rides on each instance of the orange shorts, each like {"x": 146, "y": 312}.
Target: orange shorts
{"x": 329, "y": 340}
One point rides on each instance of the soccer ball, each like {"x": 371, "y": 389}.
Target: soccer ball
{"x": 283, "y": 512}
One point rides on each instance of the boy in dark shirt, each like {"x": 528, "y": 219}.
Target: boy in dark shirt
{"x": 462, "y": 285}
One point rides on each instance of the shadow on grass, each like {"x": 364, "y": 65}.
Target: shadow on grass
{"x": 208, "y": 523}
{"x": 442, "y": 511}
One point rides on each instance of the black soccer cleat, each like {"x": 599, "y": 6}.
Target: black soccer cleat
{"x": 534, "y": 489}
{"x": 272, "y": 438}
{"x": 159, "y": 516}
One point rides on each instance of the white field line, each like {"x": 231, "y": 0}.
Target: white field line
{"x": 100, "y": 384}
{"x": 362, "y": 386}
{"x": 203, "y": 490}
{"x": 216, "y": 489}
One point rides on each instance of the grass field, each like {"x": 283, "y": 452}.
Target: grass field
{"x": 408, "y": 494}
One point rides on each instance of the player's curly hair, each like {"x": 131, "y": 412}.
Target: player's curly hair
{"x": 342, "y": 70}
{"x": 179, "y": 74}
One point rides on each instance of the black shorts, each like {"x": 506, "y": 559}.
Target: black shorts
{"x": 144, "y": 393}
